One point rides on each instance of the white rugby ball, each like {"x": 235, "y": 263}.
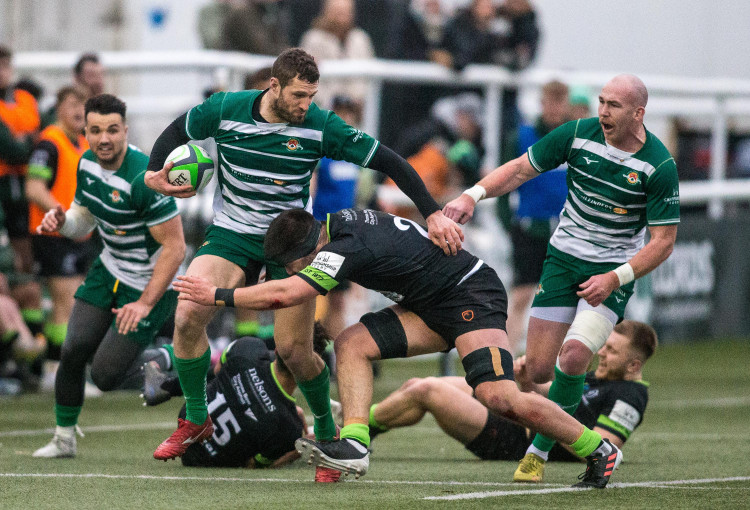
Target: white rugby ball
{"x": 192, "y": 166}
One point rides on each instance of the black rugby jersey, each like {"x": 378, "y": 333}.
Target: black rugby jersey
{"x": 252, "y": 415}
{"x": 388, "y": 254}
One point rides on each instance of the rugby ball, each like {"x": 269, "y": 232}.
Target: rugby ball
{"x": 192, "y": 166}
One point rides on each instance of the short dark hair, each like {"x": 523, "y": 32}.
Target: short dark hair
{"x": 5, "y": 52}
{"x": 295, "y": 62}
{"x": 105, "y": 104}
{"x": 642, "y": 337}
{"x": 321, "y": 339}
{"x": 86, "y": 57}
{"x": 69, "y": 90}
{"x": 259, "y": 79}
{"x": 31, "y": 86}
{"x": 288, "y": 232}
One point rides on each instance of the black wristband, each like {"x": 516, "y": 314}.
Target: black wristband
{"x": 224, "y": 297}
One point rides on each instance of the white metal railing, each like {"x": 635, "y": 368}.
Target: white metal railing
{"x": 721, "y": 99}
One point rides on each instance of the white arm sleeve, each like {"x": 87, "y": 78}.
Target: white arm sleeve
{"x": 79, "y": 222}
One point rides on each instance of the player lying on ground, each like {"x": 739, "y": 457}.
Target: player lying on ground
{"x": 443, "y": 302}
{"x": 256, "y": 419}
{"x": 613, "y": 402}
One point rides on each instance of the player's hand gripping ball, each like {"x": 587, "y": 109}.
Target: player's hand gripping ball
{"x": 192, "y": 165}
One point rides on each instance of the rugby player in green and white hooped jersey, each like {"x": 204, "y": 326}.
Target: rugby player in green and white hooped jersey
{"x": 621, "y": 180}
{"x": 126, "y": 296}
{"x": 269, "y": 143}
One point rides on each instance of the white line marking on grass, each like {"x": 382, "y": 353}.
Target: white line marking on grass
{"x": 94, "y": 428}
{"x": 718, "y": 402}
{"x": 660, "y": 484}
{"x": 240, "y": 479}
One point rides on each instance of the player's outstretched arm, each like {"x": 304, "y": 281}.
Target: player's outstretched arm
{"x": 500, "y": 181}
{"x": 264, "y": 296}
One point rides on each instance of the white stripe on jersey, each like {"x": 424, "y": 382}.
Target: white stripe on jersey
{"x": 607, "y": 152}
{"x": 263, "y": 128}
{"x": 619, "y": 218}
{"x": 594, "y": 228}
{"x": 106, "y": 176}
{"x": 107, "y": 207}
{"x": 606, "y": 199}
{"x": 262, "y": 173}
{"x": 262, "y": 205}
{"x": 131, "y": 274}
{"x": 119, "y": 226}
{"x": 270, "y": 155}
{"x": 639, "y": 193}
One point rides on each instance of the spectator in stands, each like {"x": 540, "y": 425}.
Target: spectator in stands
{"x": 483, "y": 34}
{"x": 417, "y": 31}
{"x": 51, "y": 182}
{"x": 531, "y": 223}
{"x": 88, "y": 76}
{"x": 580, "y": 107}
{"x": 334, "y": 36}
{"x": 211, "y": 19}
{"x": 19, "y": 125}
{"x": 259, "y": 80}
{"x": 256, "y": 26}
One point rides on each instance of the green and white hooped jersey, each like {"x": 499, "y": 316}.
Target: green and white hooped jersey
{"x": 612, "y": 195}
{"x": 264, "y": 168}
{"x": 124, "y": 208}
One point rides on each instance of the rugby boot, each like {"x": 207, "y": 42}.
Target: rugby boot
{"x": 599, "y": 468}
{"x": 530, "y": 469}
{"x": 186, "y": 434}
{"x": 153, "y": 394}
{"x": 345, "y": 455}
{"x": 63, "y": 444}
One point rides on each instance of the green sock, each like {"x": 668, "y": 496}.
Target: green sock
{"x": 67, "y": 416}
{"x": 246, "y": 328}
{"x": 318, "y": 395}
{"x": 358, "y": 431}
{"x": 192, "y": 374}
{"x": 566, "y": 391}
{"x": 34, "y": 319}
{"x": 373, "y": 422}
{"x": 587, "y": 443}
{"x": 55, "y": 333}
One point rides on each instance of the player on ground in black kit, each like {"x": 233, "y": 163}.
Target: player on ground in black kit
{"x": 442, "y": 302}
{"x": 250, "y": 401}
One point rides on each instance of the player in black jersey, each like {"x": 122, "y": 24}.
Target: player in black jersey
{"x": 613, "y": 403}
{"x": 442, "y": 302}
{"x": 250, "y": 402}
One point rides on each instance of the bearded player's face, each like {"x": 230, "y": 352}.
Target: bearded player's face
{"x": 294, "y": 100}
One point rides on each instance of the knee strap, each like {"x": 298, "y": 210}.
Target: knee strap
{"x": 591, "y": 329}
{"x": 488, "y": 364}
{"x": 388, "y": 332}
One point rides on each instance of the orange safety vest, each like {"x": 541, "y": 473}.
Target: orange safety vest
{"x": 22, "y": 118}
{"x": 64, "y": 187}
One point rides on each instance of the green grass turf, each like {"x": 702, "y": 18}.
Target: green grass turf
{"x": 696, "y": 428}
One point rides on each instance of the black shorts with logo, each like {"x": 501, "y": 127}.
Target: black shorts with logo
{"x": 500, "y": 439}
{"x": 60, "y": 256}
{"x": 478, "y": 303}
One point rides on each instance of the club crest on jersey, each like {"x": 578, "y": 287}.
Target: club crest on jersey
{"x": 115, "y": 196}
{"x": 539, "y": 289}
{"x": 632, "y": 178}
{"x": 467, "y": 315}
{"x": 293, "y": 145}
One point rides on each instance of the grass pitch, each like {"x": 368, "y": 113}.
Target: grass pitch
{"x": 691, "y": 452}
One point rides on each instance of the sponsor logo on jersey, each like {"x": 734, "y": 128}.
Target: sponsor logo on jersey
{"x": 467, "y": 315}
{"x": 249, "y": 413}
{"x": 357, "y": 135}
{"x": 589, "y": 160}
{"x": 632, "y": 178}
{"x": 89, "y": 181}
{"x": 293, "y": 145}
{"x": 625, "y": 414}
{"x": 115, "y": 196}
{"x": 205, "y": 244}
{"x": 328, "y": 262}
{"x": 118, "y": 232}
{"x": 620, "y": 210}
{"x": 260, "y": 390}
{"x": 539, "y": 289}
